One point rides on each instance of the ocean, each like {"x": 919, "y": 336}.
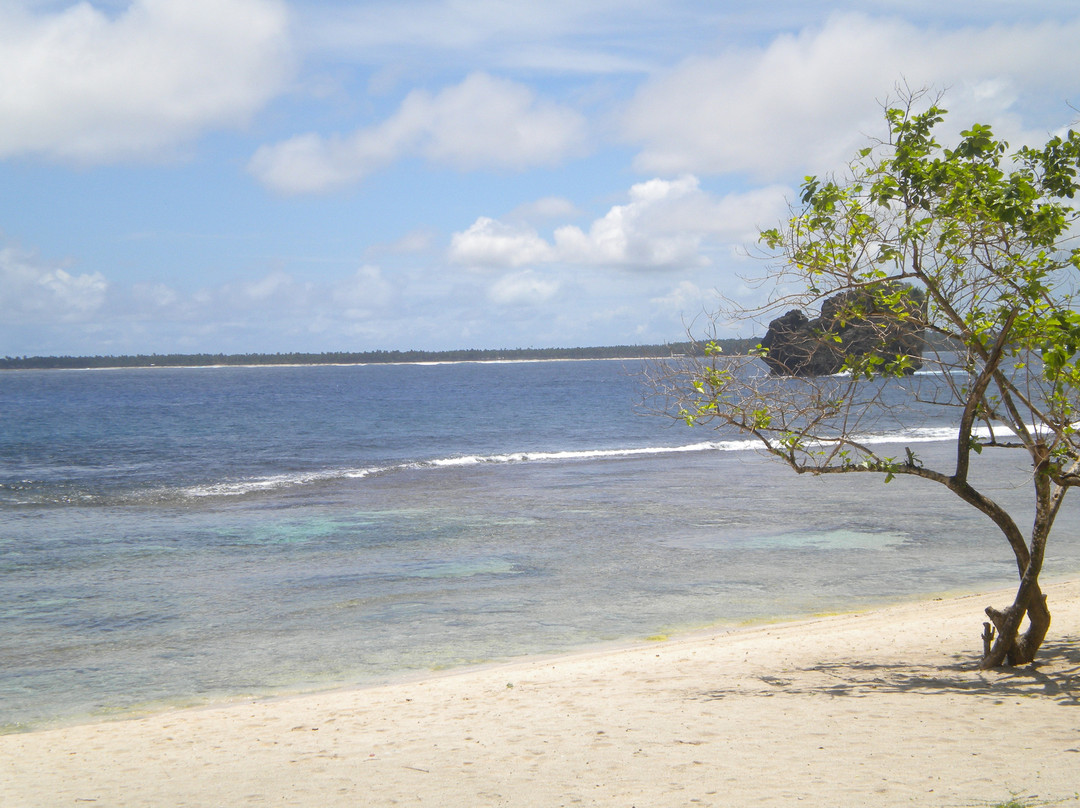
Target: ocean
{"x": 181, "y": 536}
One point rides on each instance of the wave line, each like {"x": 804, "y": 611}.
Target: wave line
{"x": 232, "y": 488}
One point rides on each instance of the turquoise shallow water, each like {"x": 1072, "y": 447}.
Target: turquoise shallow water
{"x": 188, "y": 535}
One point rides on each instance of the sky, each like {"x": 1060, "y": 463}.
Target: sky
{"x": 236, "y": 176}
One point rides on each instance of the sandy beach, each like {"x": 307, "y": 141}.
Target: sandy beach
{"x": 881, "y": 708}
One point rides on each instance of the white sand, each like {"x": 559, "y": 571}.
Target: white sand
{"x": 876, "y": 709}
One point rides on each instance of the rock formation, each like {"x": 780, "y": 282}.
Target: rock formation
{"x": 850, "y": 324}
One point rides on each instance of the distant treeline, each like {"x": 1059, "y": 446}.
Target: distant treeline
{"x": 730, "y": 346}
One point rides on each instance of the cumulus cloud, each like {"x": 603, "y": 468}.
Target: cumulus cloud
{"x": 489, "y": 122}
{"x": 665, "y": 224}
{"x": 33, "y": 290}
{"x": 490, "y": 243}
{"x": 484, "y": 122}
{"x": 80, "y": 85}
{"x": 806, "y": 100}
{"x": 639, "y": 233}
{"x": 523, "y": 288}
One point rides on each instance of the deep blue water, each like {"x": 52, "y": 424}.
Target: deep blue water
{"x": 172, "y": 536}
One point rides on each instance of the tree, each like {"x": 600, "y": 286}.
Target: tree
{"x": 972, "y": 248}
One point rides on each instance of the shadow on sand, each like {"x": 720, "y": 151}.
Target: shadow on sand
{"x": 1055, "y": 674}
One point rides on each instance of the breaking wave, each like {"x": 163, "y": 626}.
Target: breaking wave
{"x": 40, "y": 493}
{"x": 254, "y": 485}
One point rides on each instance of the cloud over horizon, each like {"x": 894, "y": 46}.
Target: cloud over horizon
{"x": 31, "y": 289}
{"x": 666, "y": 224}
{"x": 260, "y": 175}
{"x": 84, "y": 86}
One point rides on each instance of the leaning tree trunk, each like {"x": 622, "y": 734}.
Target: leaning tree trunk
{"x": 1012, "y": 647}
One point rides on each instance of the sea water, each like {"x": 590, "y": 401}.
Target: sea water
{"x": 178, "y": 536}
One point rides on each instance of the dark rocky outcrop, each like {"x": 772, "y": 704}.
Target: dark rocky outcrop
{"x": 851, "y": 324}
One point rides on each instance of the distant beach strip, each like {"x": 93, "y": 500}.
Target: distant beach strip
{"x": 729, "y": 346}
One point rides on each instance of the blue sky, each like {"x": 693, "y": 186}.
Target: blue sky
{"x": 318, "y": 175}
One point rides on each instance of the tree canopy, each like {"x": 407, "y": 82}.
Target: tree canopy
{"x": 973, "y": 247}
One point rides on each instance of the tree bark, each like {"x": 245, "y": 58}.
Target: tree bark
{"x": 1023, "y": 650}
{"x": 1012, "y": 647}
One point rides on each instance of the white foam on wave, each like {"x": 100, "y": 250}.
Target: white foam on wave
{"x": 254, "y": 485}
{"x": 251, "y": 485}
{"x": 916, "y": 435}
{"x": 234, "y": 488}
{"x": 590, "y": 454}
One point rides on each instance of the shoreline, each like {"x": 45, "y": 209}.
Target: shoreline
{"x": 876, "y": 707}
{"x": 396, "y": 363}
{"x": 307, "y": 687}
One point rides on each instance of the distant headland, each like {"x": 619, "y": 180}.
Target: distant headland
{"x": 729, "y": 346}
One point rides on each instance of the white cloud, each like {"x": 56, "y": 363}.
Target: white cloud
{"x": 523, "y": 288}
{"x": 269, "y": 286}
{"x": 30, "y": 290}
{"x": 364, "y": 293}
{"x": 686, "y": 296}
{"x": 489, "y": 122}
{"x": 490, "y": 243}
{"x": 309, "y": 163}
{"x": 81, "y": 85}
{"x": 666, "y": 224}
{"x": 639, "y": 233}
{"x": 806, "y": 101}
{"x": 484, "y": 122}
